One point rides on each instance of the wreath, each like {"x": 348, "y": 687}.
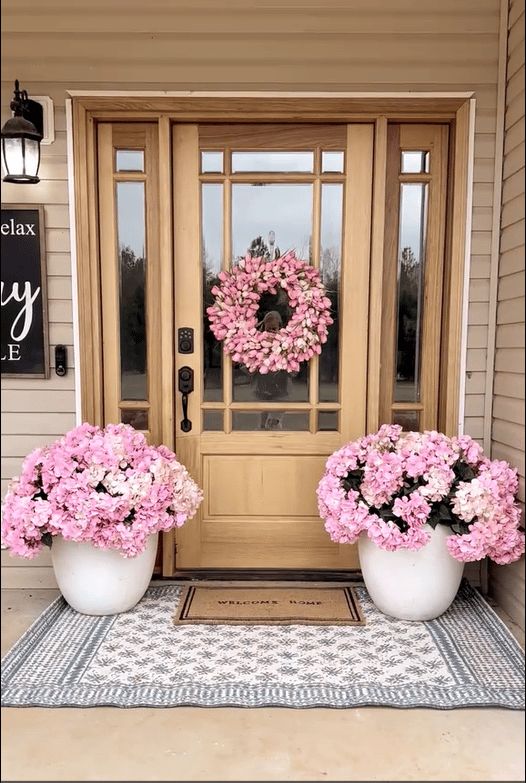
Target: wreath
{"x": 262, "y": 346}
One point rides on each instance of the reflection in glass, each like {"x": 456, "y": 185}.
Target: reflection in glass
{"x": 131, "y": 233}
{"x": 330, "y": 268}
{"x": 327, "y": 421}
{"x": 332, "y": 162}
{"x": 213, "y": 421}
{"x": 137, "y": 418}
{"x": 212, "y": 258}
{"x": 415, "y": 162}
{"x": 408, "y": 420}
{"x": 269, "y": 219}
{"x": 274, "y": 387}
{"x": 413, "y": 199}
{"x": 129, "y": 160}
{"x": 212, "y": 162}
{"x": 271, "y": 421}
{"x": 285, "y": 162}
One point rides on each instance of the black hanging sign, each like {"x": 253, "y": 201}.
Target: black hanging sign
{"x": 24, "y": 301}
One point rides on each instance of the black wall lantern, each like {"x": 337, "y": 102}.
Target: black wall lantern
{"x": 21, "y": 137}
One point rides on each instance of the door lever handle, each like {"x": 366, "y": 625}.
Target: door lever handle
{"x": 186, "y": 387}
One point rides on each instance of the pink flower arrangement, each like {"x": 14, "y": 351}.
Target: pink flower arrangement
{"x": 392, "y": 484}
{"x": 233, "y": 316}
{"x": 106, "y": 486}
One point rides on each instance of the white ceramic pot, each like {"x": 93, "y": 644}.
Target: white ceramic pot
{"x": 101, "y": 581}
{"x": 410, "y": 585}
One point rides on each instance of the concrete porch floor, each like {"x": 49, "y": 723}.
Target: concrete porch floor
{"x": 184, "y": 744}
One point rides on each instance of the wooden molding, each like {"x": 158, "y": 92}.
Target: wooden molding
{"x": 455, "y": 279}
{"x": 368, "y": 139}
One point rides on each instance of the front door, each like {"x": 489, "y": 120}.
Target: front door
{"x": 258, "y": 443}
{"x": 179, "y": 202}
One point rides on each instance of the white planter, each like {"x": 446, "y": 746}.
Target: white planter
{"x": 411, "y": 585}
{"x": 101, "y": 581}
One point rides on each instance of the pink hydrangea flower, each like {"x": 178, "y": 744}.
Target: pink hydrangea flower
{"x": 394, "y": 486}
{"x": 107, "y": 486}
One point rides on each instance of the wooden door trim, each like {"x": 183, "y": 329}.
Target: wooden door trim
{"x": 457, "y": 109}
{"x": 88, "y": 269}
{"x": 257, "y": 107}
{"x": 269, "y": 574}
{"x": 456, "y": 297}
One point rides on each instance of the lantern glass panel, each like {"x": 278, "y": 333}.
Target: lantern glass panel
{"x": 13, "y": 157}
{"x": 32, "y": 157}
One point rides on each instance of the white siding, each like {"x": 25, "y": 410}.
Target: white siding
{"x": 357, "y": 45}
{"x": 507, "y": 584}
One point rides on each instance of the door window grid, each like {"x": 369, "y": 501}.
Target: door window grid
{"x": 126, "y": 204}
{"x": 314, "y": 422}
{"x": 413, "y": 272}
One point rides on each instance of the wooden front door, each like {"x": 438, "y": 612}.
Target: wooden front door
{"x": 172, "y": 205}
{"x": 258, "y": 444}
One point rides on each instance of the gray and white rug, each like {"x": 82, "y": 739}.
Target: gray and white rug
{"x": 466, "y": 658}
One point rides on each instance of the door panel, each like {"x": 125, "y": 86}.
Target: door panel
{"x": 272, "y": 485}
{"x": 258, "y": 445}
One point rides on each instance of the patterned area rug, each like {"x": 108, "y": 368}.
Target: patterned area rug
{"x": 466, "y": 658}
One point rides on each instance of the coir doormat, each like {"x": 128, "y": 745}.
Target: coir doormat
{"x": 269, "y": 604}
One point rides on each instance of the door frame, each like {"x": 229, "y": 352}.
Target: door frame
{"x": 86, "y": 109}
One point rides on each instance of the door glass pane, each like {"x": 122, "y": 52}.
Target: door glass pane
{"x": 137, "y": 418}
{"x": 413, "y": 199}
{"x": 278, "y": 386}
{"x": 408, "y": 420}
{"x": 129, "y": 160}
{"x": 212, "y": 162}
{"x": 213, "y": 421}
{"x": 415, "y": 162}
{"x": 131, "y": 233}
{"x": 212, "y": 259}
{"x": 267, "y": 220}
{"x": 271, "y": 218}
{"x": 327, "y": 421}
{"x": 285, "y": 162}
{"x": 330, "y": 269}
{"x": 332, "y": 162}
{"x": 274, "y": 420}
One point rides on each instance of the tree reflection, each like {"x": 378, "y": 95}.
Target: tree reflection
{"x": 330, "y": 273}
{"x": 133, "y": 311}
{"x": 408, "y": 314}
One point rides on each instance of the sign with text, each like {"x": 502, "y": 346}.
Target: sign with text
{"x": 24, "y": 303}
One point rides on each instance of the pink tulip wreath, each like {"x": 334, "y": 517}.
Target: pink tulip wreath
{"x": 233, "y": 316}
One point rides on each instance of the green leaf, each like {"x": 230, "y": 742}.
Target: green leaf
{"x": 47, "y": 539}
{"x": 463, "y": 471}
{"x": 386, "y": 513}
{"x": 444, "y": 513}
{"x": 352, "y": 480}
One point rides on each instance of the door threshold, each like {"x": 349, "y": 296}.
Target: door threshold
{"x": 267, "y": 574}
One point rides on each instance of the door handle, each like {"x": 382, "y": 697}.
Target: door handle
{"x": 186, "y": 387}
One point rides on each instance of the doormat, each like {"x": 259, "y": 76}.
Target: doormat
{"x": 269, "y": 604}
{"x": 465, "y": 658}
